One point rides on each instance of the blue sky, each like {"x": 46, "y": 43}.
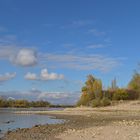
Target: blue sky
{"x": 48, "y": 47}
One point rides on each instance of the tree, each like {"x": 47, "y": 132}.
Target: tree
{"x": 121, "y": 94}
{"x": 91, "y": 90}
{"x": 134, "y": 84}
{"x": 89, "y": 84}
{"x": 97, "y": 87}
{"x": 84, "y": 100}
{"x": 21, "y": 103}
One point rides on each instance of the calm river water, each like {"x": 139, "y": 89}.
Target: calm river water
{"x": 10, "y": 121}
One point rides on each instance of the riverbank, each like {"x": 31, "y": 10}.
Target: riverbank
{"x": 121, "y": 121}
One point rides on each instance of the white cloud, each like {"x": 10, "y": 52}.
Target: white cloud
{"x": 30, "y": 76}
{"x": 44, "y": 75}
{"x": 81, "y": 62}
{"x": 25, "y": 58}
{"x": 28, "y": 57}
{"x": 7, "y": 51}
{"x": 7, "y": 39}
{"x": 53, "y": 97}
{"x": 7, "y": 76}
{"x": 19, "y": 56}
{"x": 28, "y": 95}
{"x": 60, "y": 97}
{"x": 50, "y": 76}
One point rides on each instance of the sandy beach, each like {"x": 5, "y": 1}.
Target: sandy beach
{"x": 118, "y": 122}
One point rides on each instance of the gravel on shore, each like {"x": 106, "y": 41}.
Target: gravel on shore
{"x": 83, "y": 125}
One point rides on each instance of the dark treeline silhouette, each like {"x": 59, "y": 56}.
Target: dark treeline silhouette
{"x": 23, "y": 103}
{"x": 4, "y": 103}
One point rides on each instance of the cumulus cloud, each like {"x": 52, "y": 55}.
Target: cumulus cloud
{"x": 7, "y": 76}
{"x": 28, "y": 57}
{"x": 25, "y": 58}
{"x": 50, "y": 76}
{"x": 19, "y": 56}
{"x": 44, "y": 76}
{"x": 30, "y": 76}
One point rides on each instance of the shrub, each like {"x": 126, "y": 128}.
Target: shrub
{"x": 84, "y": 100}
{"x": 135, "y": 82}
{"x": 121, "y": 94}
{"x": 100, "y": 102}
{"x": 105, "y": 102}
{"x": 109, "y": 94}
{"x": 96, "y": 103}
{"x": 132, "y": 94}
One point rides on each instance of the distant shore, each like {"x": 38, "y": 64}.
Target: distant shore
{"x": 117, "y": 122}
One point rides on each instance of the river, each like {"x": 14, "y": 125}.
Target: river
{"x": 11, "y": 121}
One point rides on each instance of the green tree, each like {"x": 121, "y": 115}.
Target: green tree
{"x": 84, "y": 100}
{"x": 134, "y": 84}
{"x": 97, "y": 88}
{"x": 91, "y": 90}
{"x": 89, "y": 86}
{"x": 121, "y": 94}
{"x": 21, "y": 103}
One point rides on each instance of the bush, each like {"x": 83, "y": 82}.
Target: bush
{"x": 96, "y": 103}
{"x": 84, "y": 100}
{"x": 105, "y": 102}
{"x": 135, "y": 82}
{"x": 109, "y": 94}
{"x": 100, "y": 102}
{"x": 121, "y": 94}
{"x": 132, "y": 94}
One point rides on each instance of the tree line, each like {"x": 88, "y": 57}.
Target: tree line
{"x": 23, "y": 103}
{"x": 94, "y": 95}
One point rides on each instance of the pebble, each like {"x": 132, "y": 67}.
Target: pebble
{"x": 93, "y": 135}
{"x": 117, "y": 132}
{"x": 73, "y": 130}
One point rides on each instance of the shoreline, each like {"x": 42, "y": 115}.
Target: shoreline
{"x": 86, "y": 123}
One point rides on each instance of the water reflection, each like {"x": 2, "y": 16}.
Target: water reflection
{"x": 10, "y": 121}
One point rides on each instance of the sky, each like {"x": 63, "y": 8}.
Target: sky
{"x": 48, "y": 47}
